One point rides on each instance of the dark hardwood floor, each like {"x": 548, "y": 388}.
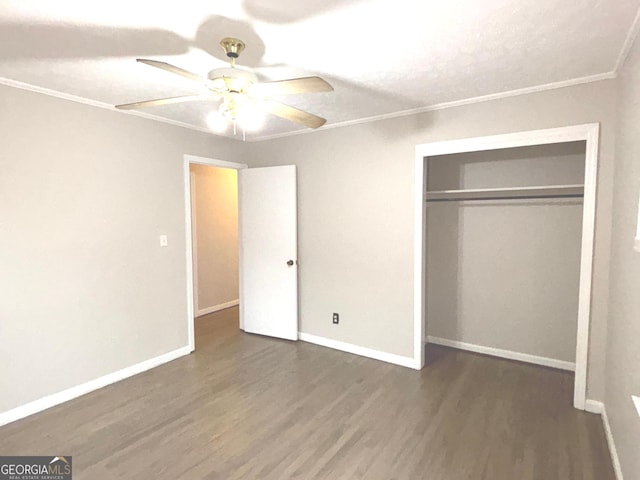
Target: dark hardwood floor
{"x": 248, "y": 407}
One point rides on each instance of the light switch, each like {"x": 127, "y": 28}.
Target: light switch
{"x": 164, "y": 241}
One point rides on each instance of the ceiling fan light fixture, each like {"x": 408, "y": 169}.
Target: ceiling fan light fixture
{"x": 216, "y": 122}
{"x": 243, "y": 111}
{"x": 251, "y": 120}
{"x": 231, "y": 80}
{"x": 230, "y": 107}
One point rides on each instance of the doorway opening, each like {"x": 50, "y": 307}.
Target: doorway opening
{"x": 589, "y": 134}
{"x": 211, "y": 199}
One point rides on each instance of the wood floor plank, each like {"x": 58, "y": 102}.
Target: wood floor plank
{"x": 249, "y": 407}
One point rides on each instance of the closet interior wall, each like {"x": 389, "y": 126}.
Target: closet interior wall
{"x": 504, "y": 274}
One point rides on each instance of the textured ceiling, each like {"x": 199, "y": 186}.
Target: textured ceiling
{"x": 381, "y": 56}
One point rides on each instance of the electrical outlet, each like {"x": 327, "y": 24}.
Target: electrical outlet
{"x": 336, "y": 318}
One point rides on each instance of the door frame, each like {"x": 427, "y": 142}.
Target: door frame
{"x": 589, "y": 133}
{"x": 211, "y": 162}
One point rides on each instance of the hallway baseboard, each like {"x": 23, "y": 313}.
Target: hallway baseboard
{"x": 217, "y": 308}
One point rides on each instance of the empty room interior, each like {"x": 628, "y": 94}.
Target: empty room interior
{"x": 320, "y": 240}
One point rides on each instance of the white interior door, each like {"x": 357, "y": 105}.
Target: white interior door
{"x": 268, "y": 251}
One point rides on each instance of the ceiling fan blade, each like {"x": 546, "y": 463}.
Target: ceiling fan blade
{"x": 173, "y": 69}
{"x": 289, "y": 113}
{"x": 160, "y": 101}
{"x": 294, "y": 85}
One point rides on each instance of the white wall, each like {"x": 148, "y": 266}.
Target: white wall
{"x": 85, "y": 289}
{"x": 505, "y": 274}
{"x": 623, "y": 346}
{"x": 355, "y": 188}
{"x": 216, "y": 234}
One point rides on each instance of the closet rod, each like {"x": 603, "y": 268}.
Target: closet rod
{"x": 506, "y": 197}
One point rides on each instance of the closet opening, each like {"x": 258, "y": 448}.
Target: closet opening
{"x": 504, "y": 247}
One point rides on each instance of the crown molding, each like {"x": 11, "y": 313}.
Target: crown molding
{"x": 442, "y": 106}
{"x": 374, "y": 118}
{"x": 628, "y": 43}
{"x": 95, "y": 103}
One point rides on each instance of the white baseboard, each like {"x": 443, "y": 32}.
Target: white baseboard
{"x": 497, "y": 352}
{"x": 217, "y": 308}
{"x": 612, "y": 445}
{"x": 593, "y": 406}
{"x": 358, "y": 350}
{"x": 79, "y": 390}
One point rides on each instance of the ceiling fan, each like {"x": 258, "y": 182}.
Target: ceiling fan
{"x": 243, "y": 96}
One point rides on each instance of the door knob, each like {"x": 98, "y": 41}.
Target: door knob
{"x": 290, "y": 263}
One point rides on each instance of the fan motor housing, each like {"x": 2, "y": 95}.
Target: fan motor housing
{"x": 231, "y": 79}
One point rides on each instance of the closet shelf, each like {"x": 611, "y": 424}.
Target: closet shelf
{"x": 509, "y": 193}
